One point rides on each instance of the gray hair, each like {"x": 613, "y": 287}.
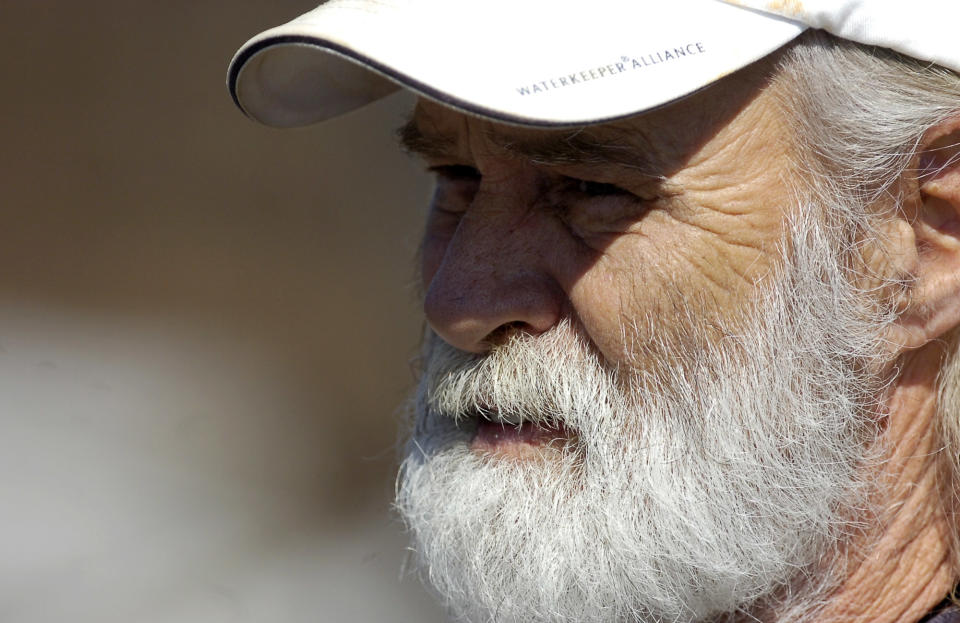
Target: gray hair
{"x": 859, "y": 114}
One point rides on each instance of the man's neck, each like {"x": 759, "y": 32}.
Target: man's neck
{"x": 904, "y": 569}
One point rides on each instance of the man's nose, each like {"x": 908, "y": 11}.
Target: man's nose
{"x": 494, "y": 278}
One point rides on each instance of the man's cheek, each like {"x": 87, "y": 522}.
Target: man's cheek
{"x": 618, "y": 304}
{"x": 635, "y": 305}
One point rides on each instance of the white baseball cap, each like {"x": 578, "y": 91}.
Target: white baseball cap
{"x": 549, "y": 62}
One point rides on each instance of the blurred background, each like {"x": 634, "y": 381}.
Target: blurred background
{"x": 205, "y": 330}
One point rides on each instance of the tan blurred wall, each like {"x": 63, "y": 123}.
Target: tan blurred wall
{"x": 204, "y": 330}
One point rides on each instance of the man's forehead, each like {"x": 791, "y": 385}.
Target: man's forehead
{"x": 656, "y": 142}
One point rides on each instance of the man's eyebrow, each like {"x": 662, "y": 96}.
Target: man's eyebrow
{"x": 578, "y": 147}
{"x": 414, "y": 141}
{"x": 555, "y": 149}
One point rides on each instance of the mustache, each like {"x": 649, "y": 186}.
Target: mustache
{"x": 551, "y": 379}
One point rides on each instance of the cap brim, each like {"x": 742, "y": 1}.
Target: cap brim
{"x": 540, "y": 63}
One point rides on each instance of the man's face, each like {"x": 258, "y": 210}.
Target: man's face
{"x": 650, "y": 303}
{"x": 626, "y": 221}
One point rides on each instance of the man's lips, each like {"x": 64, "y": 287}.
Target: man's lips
{"x": 510, "y": 439}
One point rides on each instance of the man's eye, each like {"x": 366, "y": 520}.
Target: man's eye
{"x": 456, "y": 173}
{"x": 455, "y": 188}
{"x": 597, "y": 189}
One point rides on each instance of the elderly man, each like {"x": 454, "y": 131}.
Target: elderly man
{"x": 692, "y": 280}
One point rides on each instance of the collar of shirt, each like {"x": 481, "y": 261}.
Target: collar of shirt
{"x": 945, "y": 613}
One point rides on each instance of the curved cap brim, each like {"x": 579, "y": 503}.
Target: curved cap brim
{"x": 529, "y": 62}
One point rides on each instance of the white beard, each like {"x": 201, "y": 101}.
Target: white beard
{"x": 696, "y": 486}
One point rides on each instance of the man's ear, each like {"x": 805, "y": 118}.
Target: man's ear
{"x": 932, "y": 210}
